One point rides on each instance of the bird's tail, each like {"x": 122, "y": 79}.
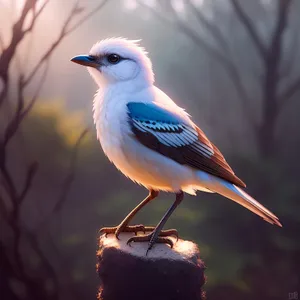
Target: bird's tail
{"x": 236, "y": 194}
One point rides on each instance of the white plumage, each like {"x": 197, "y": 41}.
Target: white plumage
{"x": 155, "y": 144}
{"x": 133, "y": 159}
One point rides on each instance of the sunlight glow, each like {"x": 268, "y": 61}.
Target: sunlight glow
{"x": 17, "y": 5}
{"x": 178, "y": 5}
{"x": 197, "y": 2}
{"x": 130, "y": 4}
{"x": 151, "y": 3}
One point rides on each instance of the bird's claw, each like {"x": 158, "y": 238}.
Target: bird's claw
{"x": 118, "y": 229}
{"x": 135, "y": 229}
{"x": 148, "y": 238}
{"x": 164, "y": 233}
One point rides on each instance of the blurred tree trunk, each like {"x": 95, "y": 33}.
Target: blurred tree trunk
{"x": 270, "y": 88}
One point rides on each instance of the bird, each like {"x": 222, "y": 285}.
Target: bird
{"x": 152, "y": 140}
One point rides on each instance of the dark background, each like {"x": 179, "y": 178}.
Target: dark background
{"x": 233, "y": 64}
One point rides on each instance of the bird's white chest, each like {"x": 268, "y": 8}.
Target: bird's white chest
{"x": 117, "y": 139}
{"x": 110, "y": 117}
{"x": 136, "y": 161}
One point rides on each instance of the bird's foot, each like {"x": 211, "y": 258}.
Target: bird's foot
{"x": 163, "y": 233}
{"x": 118, "y": 229}
{"x": 135, "y": 229}
{"x": 162, "y": 238}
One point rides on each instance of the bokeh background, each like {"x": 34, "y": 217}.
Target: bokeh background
{"x": 234, "y": 64}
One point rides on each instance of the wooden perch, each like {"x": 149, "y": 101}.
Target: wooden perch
{"x": 169, "y": 274}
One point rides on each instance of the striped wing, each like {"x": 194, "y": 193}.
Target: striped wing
{"x": 171, "y": 136}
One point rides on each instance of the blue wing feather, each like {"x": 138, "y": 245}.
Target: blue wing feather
{"x": 149, "y": 111}
{"x": 168, "y": 128}
{"x": 170, "y": 135}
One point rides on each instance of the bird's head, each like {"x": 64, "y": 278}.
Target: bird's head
{"x": 117, "y": 60}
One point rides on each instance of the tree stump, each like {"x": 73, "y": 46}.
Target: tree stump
{"x": 126, "y": 272}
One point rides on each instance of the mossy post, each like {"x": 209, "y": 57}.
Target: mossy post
{"x": 126, "y": 273}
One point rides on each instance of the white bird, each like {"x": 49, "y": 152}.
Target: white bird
{"x": 152, "y": 140}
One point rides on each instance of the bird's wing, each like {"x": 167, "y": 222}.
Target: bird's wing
{"x": 172, "y": 136}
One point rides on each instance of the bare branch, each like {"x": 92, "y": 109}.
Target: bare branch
{"x": 211, "y": 27}
{"x": 1, "y": 43}
{"x": 17, "y": 35}
{"x": 282, "y": 12}
{"x": 23, "y": 82}
{"x": 224, "y": 61}
{"x": 50, "y": 50}
{"x": 7, "y": 178}
{"x": 4, "y": 91}
{"x": 21, "y": 113}
{"x": 3, "y": 209}
{"x": 272, "y": 66}
{"x": 180, "y": 24}
{"x": 63, "y": 33}
{"x": 274, "y": 51}
{"x": 16, "y": 195}
{"x": 35, "y": 16}
{"x": 250, "y": 28}
{"x": 287, "y": 69}
{"x": 86, "y": 17}
{"x": 37, "y": 92}
{"x": 13, "y": 125}
{"x": 31, "y": 171}
{"x": 289, "y": 92}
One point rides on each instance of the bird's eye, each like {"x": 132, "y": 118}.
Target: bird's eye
{"x": 113, "y": 58}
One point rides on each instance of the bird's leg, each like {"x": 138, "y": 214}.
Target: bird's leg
{"x": 154, "y": 236}
{"x": 123, "y": 227}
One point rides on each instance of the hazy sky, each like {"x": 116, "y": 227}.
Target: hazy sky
{"x": 117, "y": 18}
{"x": 183, "y": 70}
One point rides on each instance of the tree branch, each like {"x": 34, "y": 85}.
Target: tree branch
{"x": 17, "y": 35}
{"x": 250, "y": 28}
{"x": 289, "y": 92}
{"x": 23, "y": 82}
{"x": 211, "y": 27}
{"x": 31, "y": 171}
{"x": 65, "y": 31}
{"x": 50, "y": 50}
{"x": 3, "y": 208}
{"x": 4, "y": 91}
{"x": 224, "y": 61}
{"x": 34, "y": 284}
{"x": 86, "y": 17}
{"x": 273, "y": 60}
{"x": 6, "y": 177}
{"x": 15, "y": 122}
{"x": 35, "y": 16}
{"x": 37, "y": 92}
{"x": 287, "y": 69}
{"x": 1, "y": 43}
{"x": 281, "y": 23}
